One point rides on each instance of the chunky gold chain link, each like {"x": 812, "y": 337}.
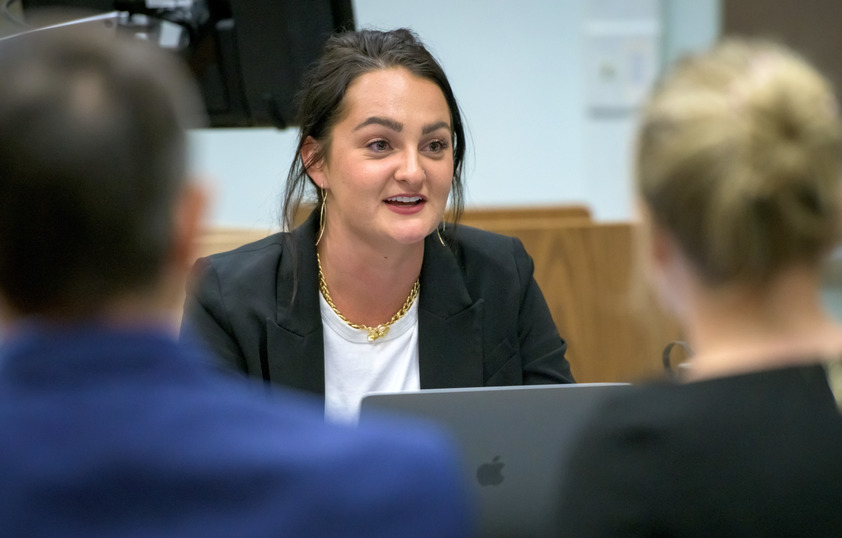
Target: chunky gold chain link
{"x": 373, "y": 332}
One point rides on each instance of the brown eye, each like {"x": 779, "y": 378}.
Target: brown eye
{"x": 437, "y": 146}
{"x": 378, "y": 145}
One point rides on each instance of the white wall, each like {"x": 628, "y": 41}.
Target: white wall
{"x": 518, "y": 71}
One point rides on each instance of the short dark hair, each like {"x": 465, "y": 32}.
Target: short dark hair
{"x": 92, "y": 156}
{"x": 346, "y": 56}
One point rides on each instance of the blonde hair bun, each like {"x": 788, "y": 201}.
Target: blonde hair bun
{"x": 739, "y": 157}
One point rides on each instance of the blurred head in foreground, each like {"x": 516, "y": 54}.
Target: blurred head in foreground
{"x": 97, "y": 210}
{"x": 738, "y": 175}
{"x": 738, "y": 171}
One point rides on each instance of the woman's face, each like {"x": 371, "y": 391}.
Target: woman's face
{"x": 389, "y": 166}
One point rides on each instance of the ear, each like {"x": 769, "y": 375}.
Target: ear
{"x": 656, "y": 241}
{"x": 313, "y": 163}
{"x": 189, "y": 222}
{"x": 662, "y": 249}
{"x": 669, "y": 272}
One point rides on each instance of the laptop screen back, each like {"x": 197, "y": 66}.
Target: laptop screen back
{"x": 513, "y": 441}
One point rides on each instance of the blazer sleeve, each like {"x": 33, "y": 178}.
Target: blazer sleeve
{"x": 542, "y": 349}
{"x": 205, "y": 320}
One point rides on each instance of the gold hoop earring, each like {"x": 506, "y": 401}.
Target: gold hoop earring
{"x": 322, "y": 217}
{"x": 438, "y": 232}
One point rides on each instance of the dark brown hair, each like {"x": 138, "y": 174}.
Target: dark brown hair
{"x": 92, "y": 155}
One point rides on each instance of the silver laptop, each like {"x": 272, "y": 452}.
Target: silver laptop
{"x": 514, "y": 442}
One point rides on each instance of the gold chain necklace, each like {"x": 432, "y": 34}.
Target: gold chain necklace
{"x": 373, "y": 332}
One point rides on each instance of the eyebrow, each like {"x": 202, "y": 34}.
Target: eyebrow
{"x": 427, "y": 129}
{"x": 385, "y": 122}
{"x": 398, "y": 126}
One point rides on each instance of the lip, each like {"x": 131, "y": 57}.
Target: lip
{"x": 406, "y": 204}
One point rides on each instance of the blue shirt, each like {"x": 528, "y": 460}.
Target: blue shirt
{"x": 109, "y": 432}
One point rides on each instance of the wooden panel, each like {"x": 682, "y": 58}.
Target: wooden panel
{"x": 614, "y": 328}
{"x": 223, "y": 239}
{"x": 505, "y": 220}
{"x": 478, "y": 215}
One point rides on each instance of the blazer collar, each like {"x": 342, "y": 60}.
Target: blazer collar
{"x": 449, "y": 320}
{"x": 450, "y": 332}
{"x": 295, "y": 344}
{"x": 297, "y": 297}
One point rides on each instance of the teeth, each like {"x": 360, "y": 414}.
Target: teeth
{"x": 405, "y": 199}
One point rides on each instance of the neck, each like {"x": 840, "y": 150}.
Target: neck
{"x": 738, "y": 329}
{"x": 132, "y": 312}
{"x": 124, "y": 312}
{"x": 369, "y": 285}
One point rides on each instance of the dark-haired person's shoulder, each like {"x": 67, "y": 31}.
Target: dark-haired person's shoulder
{"x": 385, "y": 477}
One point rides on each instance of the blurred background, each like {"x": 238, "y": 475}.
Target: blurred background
{"x": 550, "y": 89}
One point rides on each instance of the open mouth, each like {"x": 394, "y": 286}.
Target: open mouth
{"x": 405, "y": 201}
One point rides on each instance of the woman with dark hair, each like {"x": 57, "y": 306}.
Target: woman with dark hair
{"x": 374, "y": 292}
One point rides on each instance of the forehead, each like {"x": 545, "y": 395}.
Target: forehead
{"x": 394, "y": 92}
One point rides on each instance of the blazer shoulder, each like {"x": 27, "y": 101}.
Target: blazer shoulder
{"x": 248, "y": 260}
{"x": 486, "y": 250}
{"x": 474, "y": 241}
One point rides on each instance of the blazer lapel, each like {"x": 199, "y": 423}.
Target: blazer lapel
{"x": 295, "y": 343}
{"x": 449, "y": 323}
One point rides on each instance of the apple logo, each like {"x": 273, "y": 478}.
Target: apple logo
{"x": 490, "y": 474}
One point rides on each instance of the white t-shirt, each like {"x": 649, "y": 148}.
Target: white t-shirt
{"x": 354, "y": 366}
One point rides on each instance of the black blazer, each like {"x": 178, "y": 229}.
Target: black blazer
{"x": 482, "y": 319}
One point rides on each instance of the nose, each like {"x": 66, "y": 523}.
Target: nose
{"x": 410, "y": 170}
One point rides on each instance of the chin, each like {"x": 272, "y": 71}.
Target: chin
{"x": 408, "y": 231}
{"x": 411, "y": 236}
{"x": 410, "y": 239}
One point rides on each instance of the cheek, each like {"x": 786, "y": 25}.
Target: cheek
{"x": 355, "y": 178}
{"x": 442, "y": 180}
